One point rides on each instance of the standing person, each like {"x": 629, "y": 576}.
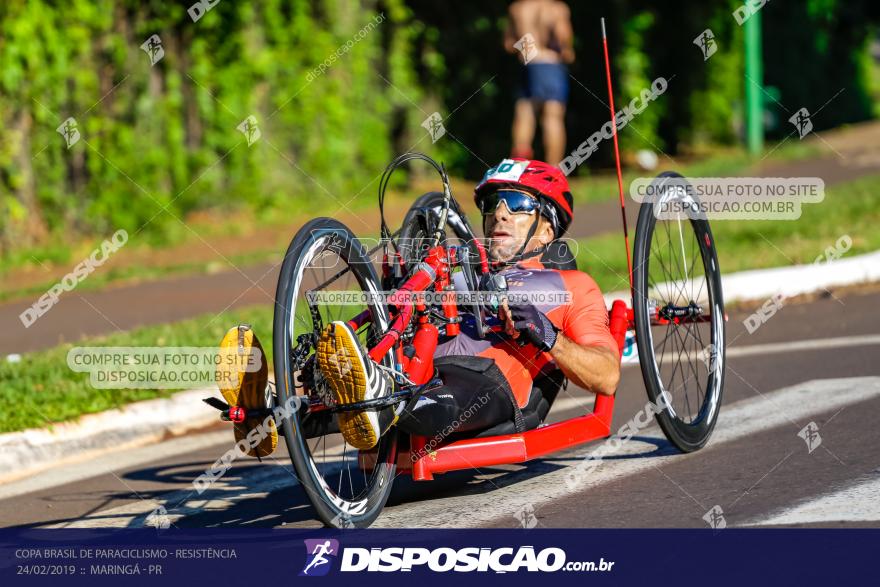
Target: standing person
{"x": 540, "y": 32}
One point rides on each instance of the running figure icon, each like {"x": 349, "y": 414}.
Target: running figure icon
{"x": 319, "y": 556}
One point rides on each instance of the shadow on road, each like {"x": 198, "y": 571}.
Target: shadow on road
{"x": 268, "y": 495}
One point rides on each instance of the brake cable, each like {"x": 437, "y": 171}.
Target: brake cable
{"x": 385, "y": 234}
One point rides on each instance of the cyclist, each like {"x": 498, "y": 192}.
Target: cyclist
{"x": 488, "y": 382}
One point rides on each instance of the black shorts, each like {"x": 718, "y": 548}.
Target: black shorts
{"x": 469, "y": 400}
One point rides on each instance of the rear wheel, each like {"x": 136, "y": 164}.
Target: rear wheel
{"x": 326, "y": 258}
{"x": 679, "y": 319}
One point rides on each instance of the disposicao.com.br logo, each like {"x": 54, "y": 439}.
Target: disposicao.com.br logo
{"x": 443, "y": 559}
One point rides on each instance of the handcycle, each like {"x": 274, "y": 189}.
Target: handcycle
{"x": 676, "y": 312}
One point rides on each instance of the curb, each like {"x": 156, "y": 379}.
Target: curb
{"x": 764, "y": 284}
{"x": 31, "y": 451}
{"x": 35, "y": 449}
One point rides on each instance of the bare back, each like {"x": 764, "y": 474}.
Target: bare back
{"x": 549, "y": 23}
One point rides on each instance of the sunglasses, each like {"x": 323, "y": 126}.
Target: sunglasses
{"x": 517, "y": 202}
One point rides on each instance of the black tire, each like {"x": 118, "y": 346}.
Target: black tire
{"x": 415, "y": 230}
{"x": 360, "y": 500}
{"x": 659, "y": 244}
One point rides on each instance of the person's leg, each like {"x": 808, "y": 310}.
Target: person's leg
{"x": 523, "y": 128}
{"x": 467, "y": 401}
{"x": 553, "y": 129}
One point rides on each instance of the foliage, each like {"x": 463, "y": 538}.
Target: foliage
{"x": 158, "y": 142}
{"x": 851, "y": 209}
{"x": 811, "y": 50}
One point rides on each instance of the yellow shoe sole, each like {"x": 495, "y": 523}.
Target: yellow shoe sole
{"x": 341, "y": 364}
{"x": 245, "y": 388}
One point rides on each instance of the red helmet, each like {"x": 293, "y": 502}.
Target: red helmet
{"x": 542, "y": 180}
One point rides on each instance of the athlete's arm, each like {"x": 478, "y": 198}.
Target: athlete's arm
{"x": 594, "y": 368}
{"x": 586, "y": 351}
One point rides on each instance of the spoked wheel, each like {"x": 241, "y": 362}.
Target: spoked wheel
{"x": 679, "y": 319}
{"x": 324, "y": 259}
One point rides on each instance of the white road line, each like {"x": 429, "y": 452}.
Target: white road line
{"x": 508, "y": 494}
{"x": 803, "y": 345}
{"x": 577, "y": 398}
{"x": 761, "y": 284}
{"x": 72, "y": 472}
{"x": 856, "y": 503}
{"x": 223, "y": 495}
{"x": 779, "y": 347}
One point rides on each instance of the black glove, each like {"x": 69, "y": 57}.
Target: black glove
{"x": 534, "y": 326}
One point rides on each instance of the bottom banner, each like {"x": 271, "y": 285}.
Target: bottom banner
{"x": 386, "y": 557}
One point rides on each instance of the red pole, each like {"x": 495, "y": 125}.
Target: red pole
{"x": 629, "y": 266}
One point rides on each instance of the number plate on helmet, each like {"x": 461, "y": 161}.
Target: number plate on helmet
{"x": 507, "y": 170}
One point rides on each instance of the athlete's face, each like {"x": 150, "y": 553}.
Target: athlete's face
{"x": 505, "y": 232}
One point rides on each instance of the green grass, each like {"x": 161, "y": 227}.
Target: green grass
{"x": 850, "y": 209}
{"x": 41, "y": 389}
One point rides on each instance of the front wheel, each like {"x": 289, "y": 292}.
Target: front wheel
{"x": 679, "y": 318}
{"x": 326, "y": 258}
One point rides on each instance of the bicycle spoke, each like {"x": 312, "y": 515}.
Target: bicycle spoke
{"x": 674, "y": 369}
{"x": 339, "y": 487}
{"x": 683, "y": 278}
{"x": 673, "y": 256}
{"x": 658, "y": 255}
{"x": 350, "y": 481}
{"x": 685, "y": 344}
{"x": 683, "y": 372}
{"x": 663, "y": 351}
{"x": 672, "y": 283}
{"x": 681, "y": 242}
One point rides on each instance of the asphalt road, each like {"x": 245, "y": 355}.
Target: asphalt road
{"x": 813, "y": 362}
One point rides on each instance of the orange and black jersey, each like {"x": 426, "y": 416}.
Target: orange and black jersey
{"x": 570, "y": 299}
